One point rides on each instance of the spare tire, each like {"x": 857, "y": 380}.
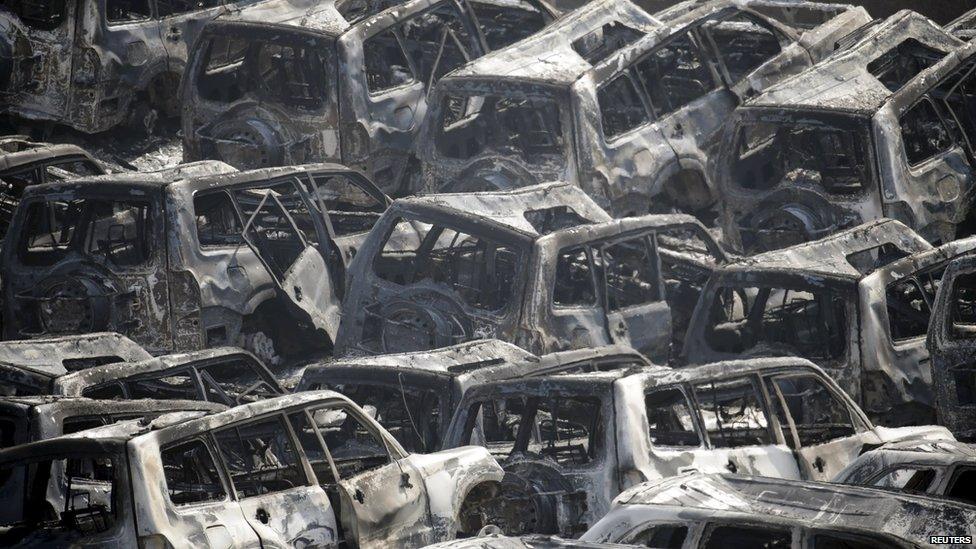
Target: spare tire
{"x": 245, "y": 143}
{"x": 422, "y": 320}
{"x": 73, "y": 303}
{"x": 491, "y": 173}
{"x": 530, "y": 496}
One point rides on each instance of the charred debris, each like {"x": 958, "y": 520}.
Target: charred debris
{"x": 486, "y": 273}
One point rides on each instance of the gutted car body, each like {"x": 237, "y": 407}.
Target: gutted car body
{"x": 624, "y": 106}
{"x": 94, "y": 64}
{"x": 542, "y": 267}
{"x": 712, "y": 511}
{"x": 24, "y": 163}
{"x": 570, "y": 443}
{"x": 857, "y": 303}
{"x": 190, "y": 257}
{"x": 302, "y": 470}
{"x": 940, "y": 469}
{"x": 30, "y": 419}
{"x": 348, "y": 84}
{"x": 415, "y": 394}
{"x": 952, "y": 345}
{"x": 883, "y": 128}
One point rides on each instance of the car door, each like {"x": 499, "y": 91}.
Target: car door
{"x": 180, "y": 23}
{"x": 690, "y": 104}
{"x": 952, "y": 347}
{"x": 741, "y": 430}
{"x": 817, "y": 423}
{"x": 131, "y": 32}
{"x": 41, "y": 64}
{"x": 382, "y": 496}
{"x": 286, "y": 232}
{"x": 576, "y": 307}
{"x": 273, "y": 486}
{"x": 637, "y": 313}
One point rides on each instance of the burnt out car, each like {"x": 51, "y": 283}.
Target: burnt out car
{"x": 190, "y": 257}
{"x": 543, "y": 267}
{"x": 24, "y": 163}
{"x": 939, "y": 469}
{"x": 30, "y": 419}
{"x": 857, "y": 303}
{"x": 952, "y": 345}
{"x": 964, "y": 26}
{"x": 570, "y": 443}
{"x": 94, "y": 64}
{"x": 630, "y": 114}
{"x": 721, "y": 511}
{"x": 306, "y": 470}
{"x": 883, "y": 128}
{"x": 346, "y": 82}
{"x": 415, "y": 394}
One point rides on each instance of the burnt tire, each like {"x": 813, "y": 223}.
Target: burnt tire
{"x": 245, "y": 143}
{"x": 72, "y": 304}
{"x": 421, "y": 321}
{"x": 491, "y": 174}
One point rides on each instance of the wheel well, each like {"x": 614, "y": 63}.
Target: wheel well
{"x": 479, "y": 493}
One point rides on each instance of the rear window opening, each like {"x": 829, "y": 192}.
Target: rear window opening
{"x": 897, "y": 66}
{"x": 557, "y": 218}
{"x": 527, "y": 127}
{"x": 45, "y": 15}
{"x": 603, "y": 42}
{"x": 871, "y": 259}
{"x": 411, "y": 414}
{"x": 834, "y": 156}
{"x": 70, "y": 499}
{"x": 808, "y": 322}
{"x": 273, "y": 69}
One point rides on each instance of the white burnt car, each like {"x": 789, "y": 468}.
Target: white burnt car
{"x": 570, "y": 443}
{"x": 308, "y": 470}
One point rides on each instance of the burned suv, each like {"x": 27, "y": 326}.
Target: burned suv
{"x": 884, "y": 128}
{"x": 345, "y": 83}
{"x": 858, "y": 303}
{"x": 571, "y": 443}
{"x": 93, "y": 64}
{"x": 195, "y": 256}
{"x": 542, "y": 267}
{"x": 627, "y": 112}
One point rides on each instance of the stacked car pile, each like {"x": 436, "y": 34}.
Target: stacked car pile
{"x": 698, "y": 278}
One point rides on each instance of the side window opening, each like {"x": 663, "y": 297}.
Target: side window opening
{"x": 963, "y": 485}
{"x": 191, "y": 474}
{"x": 632, "y": 273}
{"x": 523, "y": 126}
{"x": 438, "y": 42}
{"x": 670, "y": 419}
{"x": 39, "y": 14}
{"x": 809, "y": 322}
{"x": 350, "y": 209}
{"x": 957, "y": 96}
{"x": 910, "y": 479}
{"x": 234, "y": 381}
{"x": 127, "y": 11}
{"x": 167, "y": 386}
{"x": 574, "y": 283}
{"x": 104, "y": 392}
{"x": 844, "y": 540}
{"x": 355, "y": 448}
{"x": 621, "y": 108}
{"x": 278, "y": 224}
{"x": 905, "y": 61}
{"x": 868, "y": 260}
{"x": 315, "y": 453}
{"x": 260, "y": 457}
{"x": 218, "y": 224}
{"x": 746, "y": 537}
{"x": 603, "y": 42}
{"x": 409, "y": 413}
{"x": 674, "y": 75}
{"x": 816, "y": 414}
{"x": 909, "y": 303}
{"x": 924, "y": 133}
{"x": 385, "y": 62}
{"x": 503, "y": 25}
{"x": 962, "y": 311}
{"x": 499, "y": 420}
{"x": 743, "y": 44}
{"x": 733, "y": 414}
{"x": 166, "y": 8}
{"x": 662, "y": 536}
{"x": 481, "y": 271}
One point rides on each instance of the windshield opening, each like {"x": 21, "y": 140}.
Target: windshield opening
{"x": 833, "y": 156}
{"x": 527, "y": 127}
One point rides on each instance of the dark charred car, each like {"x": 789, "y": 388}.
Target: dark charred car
{"x": 94, "y": 64}
{"x": 570, "y": 443}
{"x": 952, "y": 345}
{"x": 964, "y": 26}
{"x": 720, "y": 511}
{"x": 346, "y": 82}
{"x": 857, "y": 303}
{"x": 543, "y": 267}
{"x": 190, "y": 257}
{"x": 415, "y": 394}
{"x": 883, "y": 128}
{"x": 306, "y": 470}
{"x": 29, "y": 419}
{"x": 627, "y": 109}
{"x": 24, "y": 163}
{"x": 939, "y": 468}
